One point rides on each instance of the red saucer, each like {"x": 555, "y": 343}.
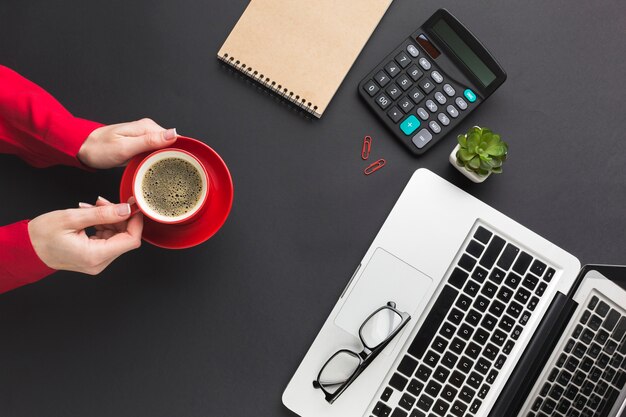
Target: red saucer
{"x": 212, "y": 216}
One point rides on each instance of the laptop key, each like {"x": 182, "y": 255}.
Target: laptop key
{"x": 381, "y": 409}
{"x": 619, "y": 330}
{"x": 407, "y": 402}
{"x": 458, "y": 277}
{"x": 398, "y": 412}
{"x": 492, "y": 252}
{"x": 611, "y": 320}
{"x": 415, "y": 387}
{"x": 602, "y": 308}
{"x": 482, "y": 235}
{"x": 475, "y": 249}
{"x": 407, "y": 366}
{"x": 424, "y": 402}
{"x": 398, "y": 382}
{"x": 522, "y": 263}
{"x": 508, "y": 256}
{"x": 436, "y": 315}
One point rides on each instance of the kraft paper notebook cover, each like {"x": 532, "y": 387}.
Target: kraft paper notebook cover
{"x": 301, "y": 49}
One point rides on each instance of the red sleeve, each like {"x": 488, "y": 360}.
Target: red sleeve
{"x": 19, "y": 263}
{"x": 36, "y": 127}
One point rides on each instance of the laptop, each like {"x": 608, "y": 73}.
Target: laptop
{"x": 457, "y": 310}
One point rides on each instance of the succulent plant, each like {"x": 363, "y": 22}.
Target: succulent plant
{"x": 481, "y": 151}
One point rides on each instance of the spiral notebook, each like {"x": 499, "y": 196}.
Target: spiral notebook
{"x": 301, "y": 49}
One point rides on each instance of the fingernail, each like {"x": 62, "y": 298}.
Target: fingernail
{"x": 131, "y": 200}
{"x": 170, "y": 134}
{"x": 84, "y": 205}
{"x": 122, "y": 209}
{"x": 103, "y": 199}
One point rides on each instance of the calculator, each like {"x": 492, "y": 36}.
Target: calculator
{"x": 431, "y": 81}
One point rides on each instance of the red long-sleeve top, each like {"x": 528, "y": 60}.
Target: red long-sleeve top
{"x": 38, "y": 129}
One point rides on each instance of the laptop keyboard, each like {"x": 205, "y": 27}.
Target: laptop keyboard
{"x": 469, "y": 332}
{"x": 590, "y": 372}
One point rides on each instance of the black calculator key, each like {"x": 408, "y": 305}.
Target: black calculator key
{"x": 423, "y": 114}
{"x": 449, "y": 90}
{"x": 412, "y": 50}
{"x": 434, "y": 126}
{"x": 395, "y": 114}
{"x": 422, "y": 138}
{"x": 383, "y": 101}
{"x": 403, "y": 59}
{"x": 416, "y": 95}
{"x": 404, "y": 82}
{"x": 424, "y": 63}
{"x": 445, "y": 120}
{"x": 426, "y": 85}
{"x": 394, "y": 91}
{"x": 441, "y": 99}
{"x": 371, "y": 88}
{"x": 392, "y": 69}
{"x": 381, "y": 78}
{"x": 461, "y": 104}
{"x": 452, "y": 111}
{"x": 436, "y": 77}
{"x": 405, "y": 104}
{"x": 414, "y": 72}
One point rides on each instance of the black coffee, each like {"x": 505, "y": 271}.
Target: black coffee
{"x": 172, "y": 187}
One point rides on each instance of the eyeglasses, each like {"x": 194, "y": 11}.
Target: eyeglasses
{"x": 342, "y": 368}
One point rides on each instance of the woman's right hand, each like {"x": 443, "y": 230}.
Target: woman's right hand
{"x": 60, "y": 240}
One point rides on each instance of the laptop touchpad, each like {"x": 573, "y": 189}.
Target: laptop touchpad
{"x": 385, "y": 278}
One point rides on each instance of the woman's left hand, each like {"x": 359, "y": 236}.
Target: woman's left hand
{"x": 113, "y": 145}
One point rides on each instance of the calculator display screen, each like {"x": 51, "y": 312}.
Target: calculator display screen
{"x": 464, "y": 52}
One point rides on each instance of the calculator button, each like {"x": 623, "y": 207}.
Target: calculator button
{"x": 410, "y": 125}
{"x": 405, "y": 104}
{"x": 422, "y": 138}
{"x": 452, "y": 111}
{"x": 423, "y": 114}
{"x": 414, "y": 72}
{"x": 441, "y": 99}
{"x": 449, "y": 90}
{"x": 461, "y": 104}
{"x": 469, "y": 95}
{"x": 404, "y": 82}
{"x": 392, "y": 69}
{"x": 394, "y": 92}
{"x": 381, "y": 78}
{"x": 371, "y": 88}
{"x": 395, "y": 114}
{"x": 426, "y": 85}
{"x": 443, "y": 119}
{"x": 416, "y": 95}
{"x": 434, "y": 126}
{"x": 383, "y": 101}
{"x": 403, "y": 59}
{"x": 437, "y": 77}
{"x": 413, "y": 51}
{"x": 424, "y": 63}
{"x": 431, "y": 106}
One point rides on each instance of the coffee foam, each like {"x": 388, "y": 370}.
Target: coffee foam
{"x": 172, "y": 187}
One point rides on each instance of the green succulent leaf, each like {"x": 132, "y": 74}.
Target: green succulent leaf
{"x": 473, "y": 141}
{"x": 497, "y": 150}
{"x": 462, "y": 140}
{"x": 464, "y": 155}
{"x": 475, "y": 162}
{"x": 497, "y": 170}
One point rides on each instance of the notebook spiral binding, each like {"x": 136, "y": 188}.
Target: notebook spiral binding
{"x": 270, "y": 84}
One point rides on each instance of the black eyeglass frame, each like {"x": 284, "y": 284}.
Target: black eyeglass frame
{"x": 365, "y": 357}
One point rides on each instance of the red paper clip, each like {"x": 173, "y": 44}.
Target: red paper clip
{"x": 374, "y": 167}
{"x": 367, "y": 147}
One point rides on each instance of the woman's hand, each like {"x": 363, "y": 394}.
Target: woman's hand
{"x": 113, "y": 145}
{"x": 60, "y": 240}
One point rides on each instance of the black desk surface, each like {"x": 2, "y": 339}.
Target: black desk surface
{"x": 220, "y": 328}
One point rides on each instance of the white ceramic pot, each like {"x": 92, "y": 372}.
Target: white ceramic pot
{"x": 469, "y": 174}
